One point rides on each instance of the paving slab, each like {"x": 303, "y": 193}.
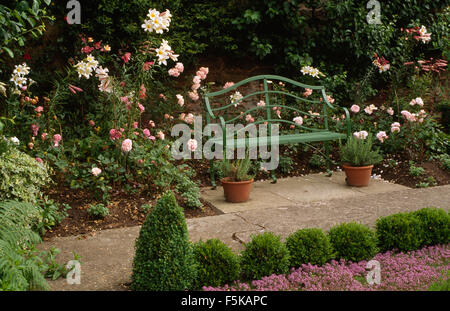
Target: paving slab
{"x": 293, "y": 190}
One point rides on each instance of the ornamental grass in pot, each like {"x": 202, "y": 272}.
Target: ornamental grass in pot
{"x": 237, "y": 182}
{"x": 358, "y": 158}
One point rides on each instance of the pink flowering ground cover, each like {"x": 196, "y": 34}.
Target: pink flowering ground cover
{"x": 411, "y": 271}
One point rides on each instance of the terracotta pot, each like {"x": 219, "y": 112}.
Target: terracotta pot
{"x": 358, "y": 176}
{"x": 236, "y": 191}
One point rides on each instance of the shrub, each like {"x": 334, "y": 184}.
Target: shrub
{"x": 217, "y": 264}
{"x": 98, "y": 211}
{"x": 264, "y": 255}
{"x": 353, "y": 241}
{"x": 400, "y": 231}
{"x": 309, "y": 246}
{"x": 21, "y": 176}
{"x": 164, "y": 258}
{"x": 435, "y": 224}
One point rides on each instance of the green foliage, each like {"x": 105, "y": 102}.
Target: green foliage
{"x": 353, "y": 241}
{"x": 21, "y": 176}
{"x": 317, "y": 161}
{"x": 358, "y": 152}
{"x": 164, "y": 258}
{"x": 20, "y": 267}
{"x": 309, "y": 246}
{"x": 189, "y": 190}
{"x": 435, "y": 223}
{"x": 18, "y": 21}
{"x": 286, "y": 164}
{"x": 237, "y": 170}
{"x": 51, "y": 214}
{"x": 146, "y": 208}
{"x": 415, "y": 170}
{"x": 98, "y": 211}
{"x": 402, "y": 231}
{"x": 217, "y": 264}
{"x": 442, "y": 285}
{"x": 264, "y": 255}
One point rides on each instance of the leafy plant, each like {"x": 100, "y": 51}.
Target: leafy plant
{"x": 264, "y": 255}
{"x": 309, "y": 246}
{"x": 98, "y": 211}
{"x": 402, "y": 231}
{"x": 164, "y": 258}
{"x": 51, "y": 214}
{"x": 358, "y": 152}
{"x": 317, "y": 161}
{"x": 216, "y": 262}
{"x": 353, "y": 241}
{"x": 21, "y": 176}
{"x": 415, "y": 170}
{"x": 20, "y": 265}
{"x": 237, "y": 170}
{"x": 286, "y": 164}
{"x": 435, "y": 224}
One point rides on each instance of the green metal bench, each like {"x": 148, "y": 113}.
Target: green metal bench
{"x": 312, "y": 135}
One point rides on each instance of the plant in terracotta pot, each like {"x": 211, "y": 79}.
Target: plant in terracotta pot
{"x": 237, "y": 182}
{"x": 358, "y": 158}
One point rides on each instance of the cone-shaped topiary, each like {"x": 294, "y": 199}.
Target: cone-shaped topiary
{"x": 164, "y": 259}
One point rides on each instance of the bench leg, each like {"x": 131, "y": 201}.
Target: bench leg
{"x": 327, "y": 153}
{"x": 211, "y": 172}
{"x": 274, "y": 178}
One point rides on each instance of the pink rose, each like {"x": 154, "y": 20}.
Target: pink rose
{"x": 127, "y": 145}
{"x": 96, "y": 171}
{"x": 179, "y": 67}
{"x": 34, "y": 129}
{"x": 189, "y": 119}
{"x": 160, "y": 135}
{"x": 355, "y": 108}
{"x": 192, "y": 144}
{"x": 382, "y": 136}
{"x": 197, "y": 80}
{"x": 38, "y": 160}
{"x": 180, "y": 100}
{"x": 298, "y": 120}
{"x": 39, "y": 109}
{"x": 173, "y": 72}
{"x": 56, "y": 139}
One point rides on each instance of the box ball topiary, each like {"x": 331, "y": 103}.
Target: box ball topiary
{"x": 353, "y": 241}
{"x": 435, "y": 223}
{"x": 264, "y": 255}
{"x": 164, "y": 258}
{"x": 401, "y": 231}
{"x": 216, "y": 263}
{"x": 309, "y": 246}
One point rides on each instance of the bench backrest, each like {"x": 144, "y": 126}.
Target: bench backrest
{"x": 213, "y": 112}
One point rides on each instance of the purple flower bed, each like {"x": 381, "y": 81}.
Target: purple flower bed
{"x": 415, "y": 270}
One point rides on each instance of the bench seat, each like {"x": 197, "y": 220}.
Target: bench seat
{"x": 283, "y": 139}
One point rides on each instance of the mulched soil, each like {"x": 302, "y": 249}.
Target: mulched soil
{"x": 125, "y": 208}
{"x": 124, "y": 211}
